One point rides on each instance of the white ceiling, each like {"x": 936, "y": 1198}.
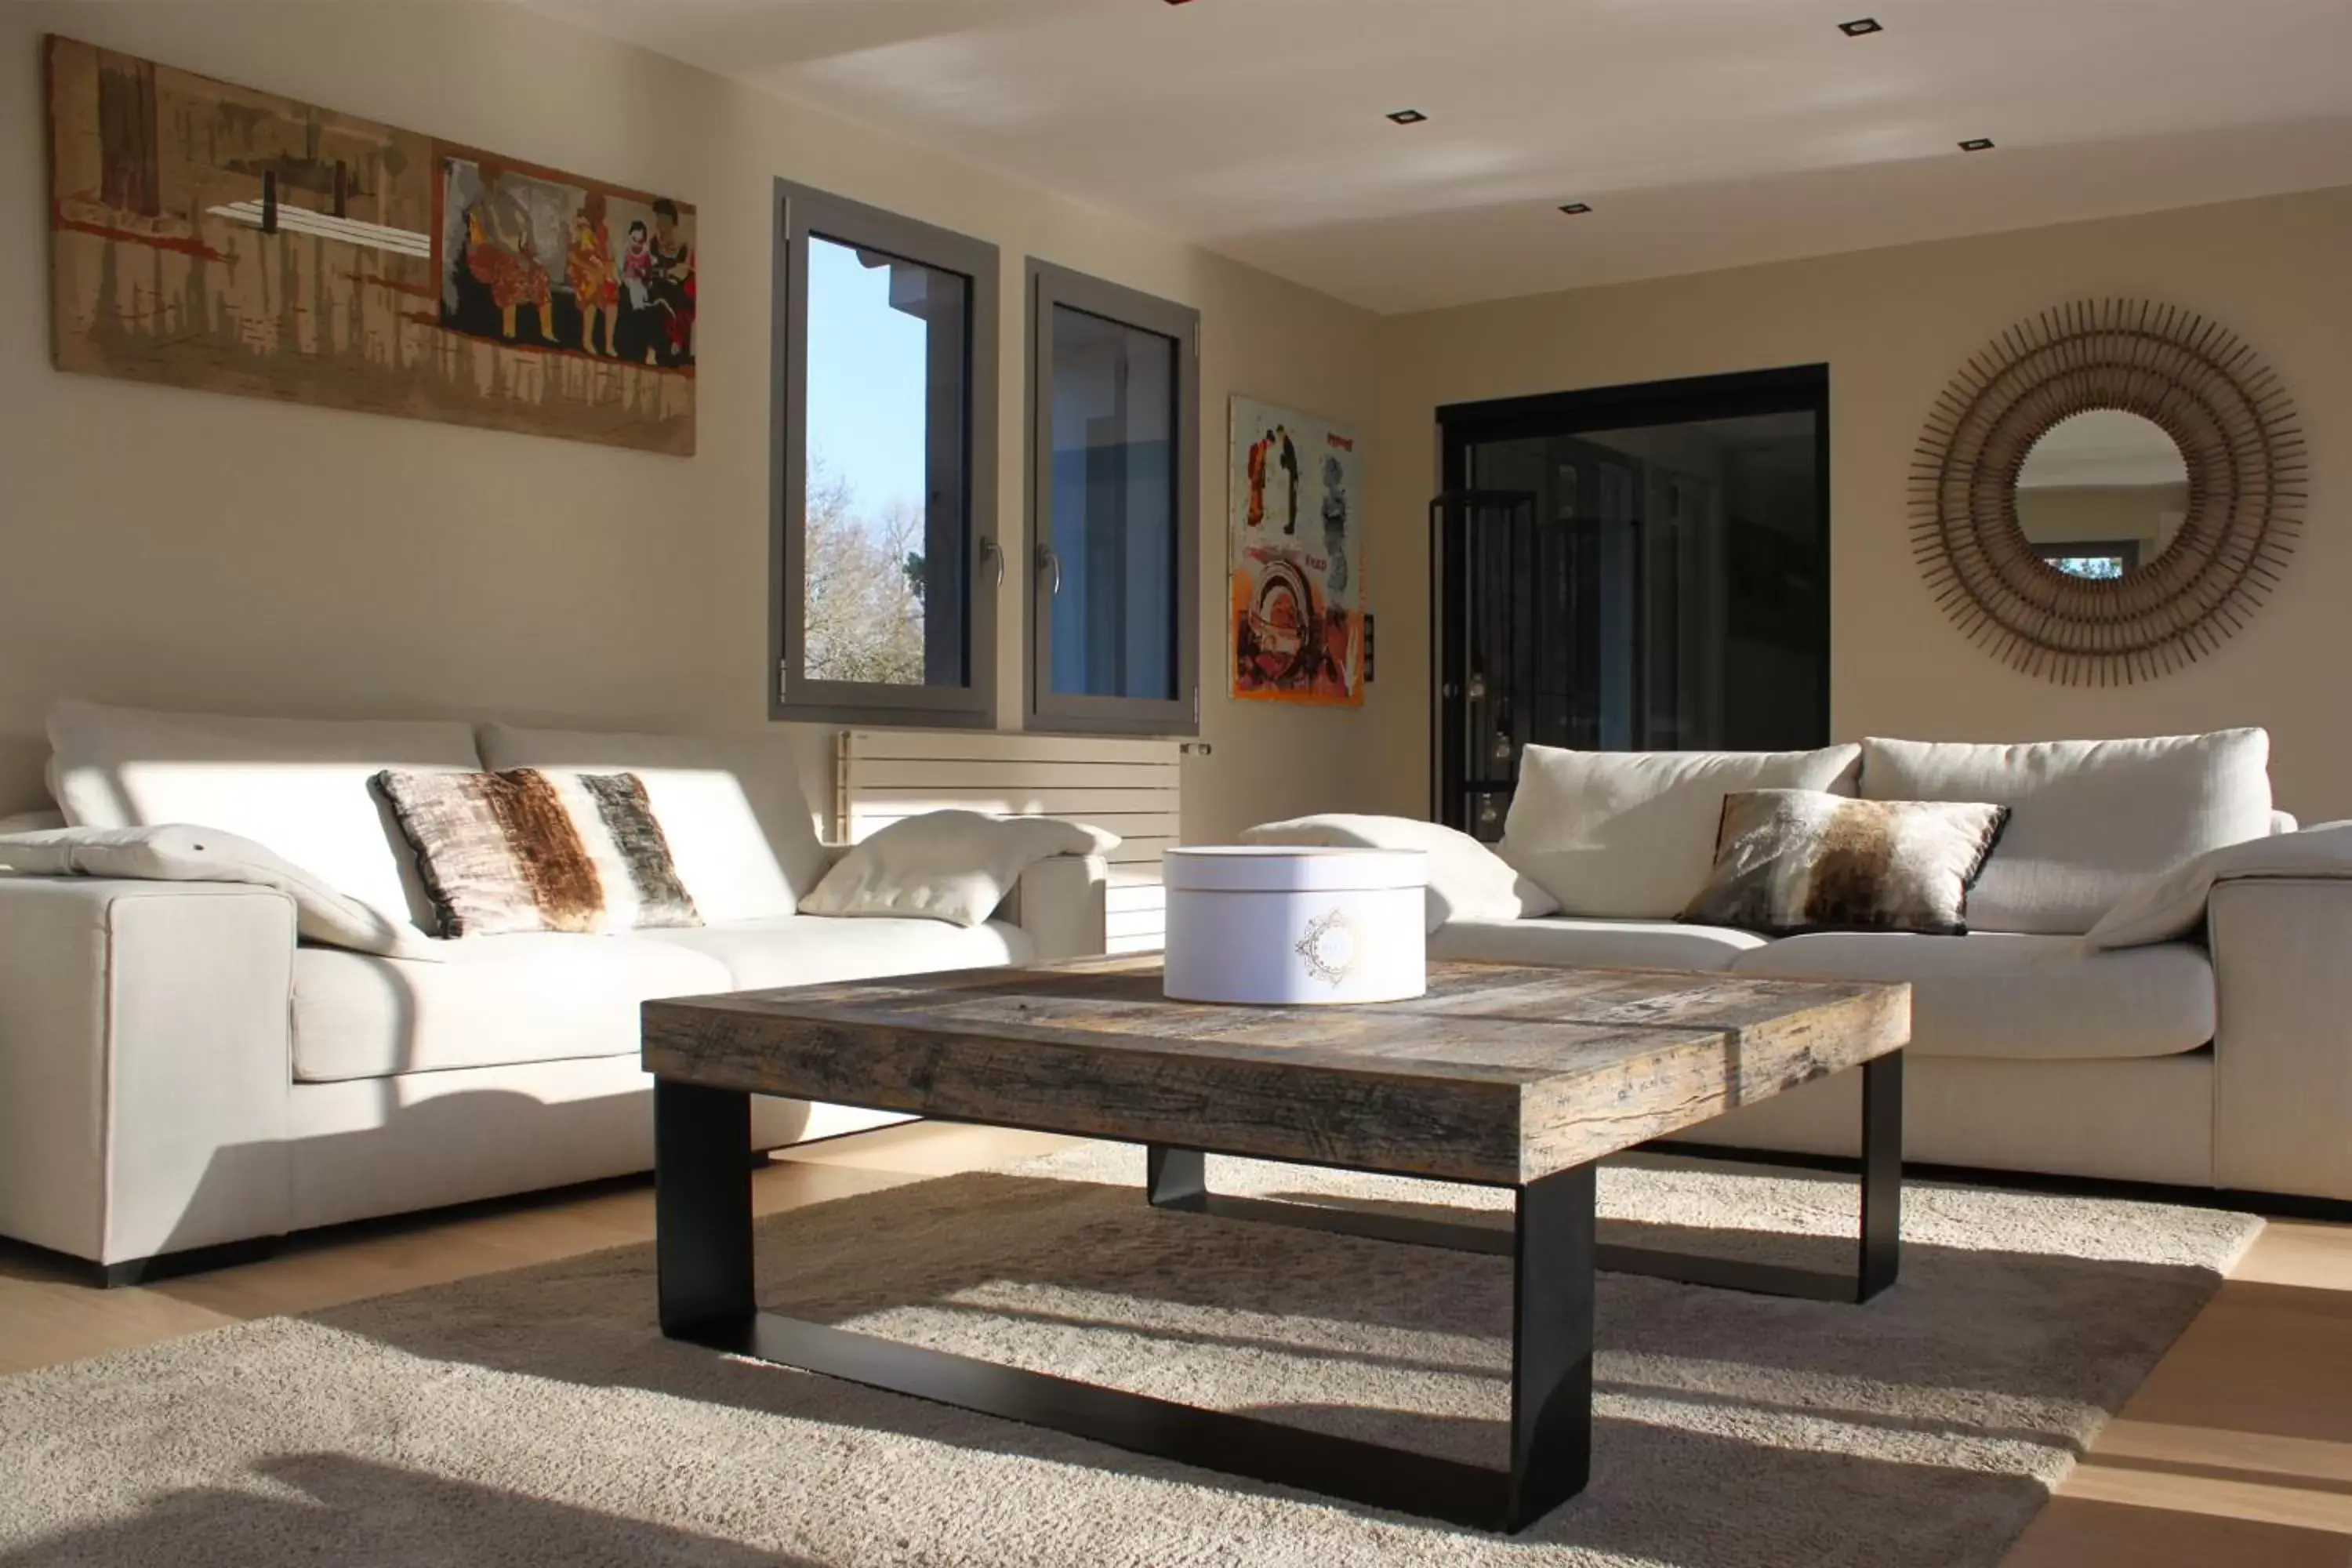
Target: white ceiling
{"x": 1704, "y": 132}
{"x": 2103, "y": 448}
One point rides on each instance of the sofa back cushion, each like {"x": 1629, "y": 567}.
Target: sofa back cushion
{"x": 2089, "y": 820}
{"x": 298, "y": 786}
{"x": 730, "y": 807}
{"x": 1630, "y": 835}
{"x": 1467, "y": 880}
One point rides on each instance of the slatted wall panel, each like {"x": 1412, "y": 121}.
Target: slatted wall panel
{"x": 1129, "y": 788}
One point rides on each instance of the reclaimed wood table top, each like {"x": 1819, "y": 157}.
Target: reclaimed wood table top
{"x": 1500, "y": 1074}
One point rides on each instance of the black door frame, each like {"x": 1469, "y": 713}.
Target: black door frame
{"x": 1791, "y": 389}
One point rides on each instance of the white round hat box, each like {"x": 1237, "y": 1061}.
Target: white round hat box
{"x": 1288, "y": 924}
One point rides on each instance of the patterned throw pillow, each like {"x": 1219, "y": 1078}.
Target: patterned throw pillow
{"x": 1787, "y": 861}
{"x": 529, "y": 850}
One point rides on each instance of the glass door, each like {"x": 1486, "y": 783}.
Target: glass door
{"x": 1636, "y": 569}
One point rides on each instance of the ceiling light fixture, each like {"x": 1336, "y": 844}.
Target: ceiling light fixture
{"x": 1860, "y": 27}
{"x": 1407, "y": 116}
{"x": 1977, "y": 144}
{"x": 1577, "y": 209}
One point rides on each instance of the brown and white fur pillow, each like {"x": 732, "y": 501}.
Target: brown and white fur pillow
{"x": 527, "y": 850}
{"x": 1787, "y": 861}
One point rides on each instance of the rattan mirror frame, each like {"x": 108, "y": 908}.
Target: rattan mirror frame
{"x": 2236, "y": 429}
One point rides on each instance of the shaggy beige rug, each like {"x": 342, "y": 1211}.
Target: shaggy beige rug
{"x": 537, "y": 1417}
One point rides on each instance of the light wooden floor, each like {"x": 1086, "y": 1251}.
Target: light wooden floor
{"x": 2237, "y": 1450}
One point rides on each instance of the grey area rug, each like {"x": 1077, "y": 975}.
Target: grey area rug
{"x": 537, "y": 1417}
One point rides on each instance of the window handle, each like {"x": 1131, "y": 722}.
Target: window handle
{"x": 991, "y": 551}
{"x": 1047, "y": 560}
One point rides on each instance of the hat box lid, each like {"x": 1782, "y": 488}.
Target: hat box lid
{"x": 1292, "y": 868}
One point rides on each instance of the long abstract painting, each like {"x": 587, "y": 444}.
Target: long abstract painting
{"x": 207, "y": 235}
{"x": 1295, "y": 557}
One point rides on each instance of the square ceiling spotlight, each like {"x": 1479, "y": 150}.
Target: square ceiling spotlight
{"x": 1977, "y": 144}
{"x": 1860, "y": 27}
{"x": 1407, "y": 116}
{"x": 1577, "y": 209}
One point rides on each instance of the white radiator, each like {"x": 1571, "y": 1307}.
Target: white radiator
{"x": 1129, "y": 788}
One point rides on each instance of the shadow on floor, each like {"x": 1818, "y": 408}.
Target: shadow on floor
{"x": 1733, "y": 1430}
{"x": 366, "y": 1514}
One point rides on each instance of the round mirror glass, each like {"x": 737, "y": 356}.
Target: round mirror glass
{"x": 2101, "y": 493}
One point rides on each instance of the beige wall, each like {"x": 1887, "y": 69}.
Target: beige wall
{"x": 185, "y": 550}
{"x": 191, "y": 551}
{"x": 1893, "y": 325}
{"x": 2149, "y": 515}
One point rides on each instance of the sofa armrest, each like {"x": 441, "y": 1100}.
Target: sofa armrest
{"x": 1059, "y": 902}
{"x": 2178, "y": 904}
{"x": 2283, "y": 1044}
{"x": 144, "y": 1063}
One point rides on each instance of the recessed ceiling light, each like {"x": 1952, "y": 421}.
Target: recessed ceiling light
{"x": 1860, "y": 27}
{"x": 1977, "y": 144}
{"x": 1577, "y": 209}
{"x": 1407, "y": 116}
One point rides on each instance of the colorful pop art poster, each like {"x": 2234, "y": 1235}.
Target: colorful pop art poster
{"x": 1295, "y": 557}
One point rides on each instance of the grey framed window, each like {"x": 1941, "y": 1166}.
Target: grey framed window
{"x": 886, "y": 561}
{"x": 2102, "y": 559}
{"x": 1115, "y": 526}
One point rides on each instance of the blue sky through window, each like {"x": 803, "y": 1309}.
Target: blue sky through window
{"x": 866, "y": 382}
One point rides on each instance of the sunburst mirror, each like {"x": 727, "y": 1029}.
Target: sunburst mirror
{"x": 2107, "y": 492}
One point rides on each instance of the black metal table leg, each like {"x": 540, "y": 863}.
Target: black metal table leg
{"x": 1175, "y": 1178}
{"x": 703, "y": 1253}
{"x": 1882, "y": 1175}
{"x": 1551, "y": 1345}
{"x": 1178, "y": 1179}
{"x": 703, "y": 1247}
{"x": 1876, "y": 1262}
{"x": 702, "y": 1207}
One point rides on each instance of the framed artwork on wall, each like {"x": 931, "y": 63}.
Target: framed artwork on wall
{"x": 207, "y": 235}
{"x": 1295, "y": 555}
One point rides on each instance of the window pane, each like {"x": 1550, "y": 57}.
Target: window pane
{"x": 2103, "y": 561}
{"x": 1114, "y": 524}
{"x": 886, "y": 518}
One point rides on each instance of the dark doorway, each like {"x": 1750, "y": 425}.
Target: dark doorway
{"x": 1630, "y": 568}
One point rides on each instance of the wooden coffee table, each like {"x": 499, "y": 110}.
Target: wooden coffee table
{"x": 1507, "y": 1075}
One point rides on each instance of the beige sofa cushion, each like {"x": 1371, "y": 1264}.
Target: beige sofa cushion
{"x": 544, "y": 997}
{"x": 2089, "y": 820}
{"x": 1468, "y": 879}
{"x": 1604, "y": 944}
{"x": 740, "y": 830}
{"x": 802, "y": 950}
{"x": 299, "y": 787}
{"x": 949, "y": 865}
{"x": 534, "y": 998}
{"x": 2045, "y": 998}
{"x": 1630, "y": 835}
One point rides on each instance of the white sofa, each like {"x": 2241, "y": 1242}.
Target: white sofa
{"x": 2222, "y": 1060}
{"x": 178, "y": 1074}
